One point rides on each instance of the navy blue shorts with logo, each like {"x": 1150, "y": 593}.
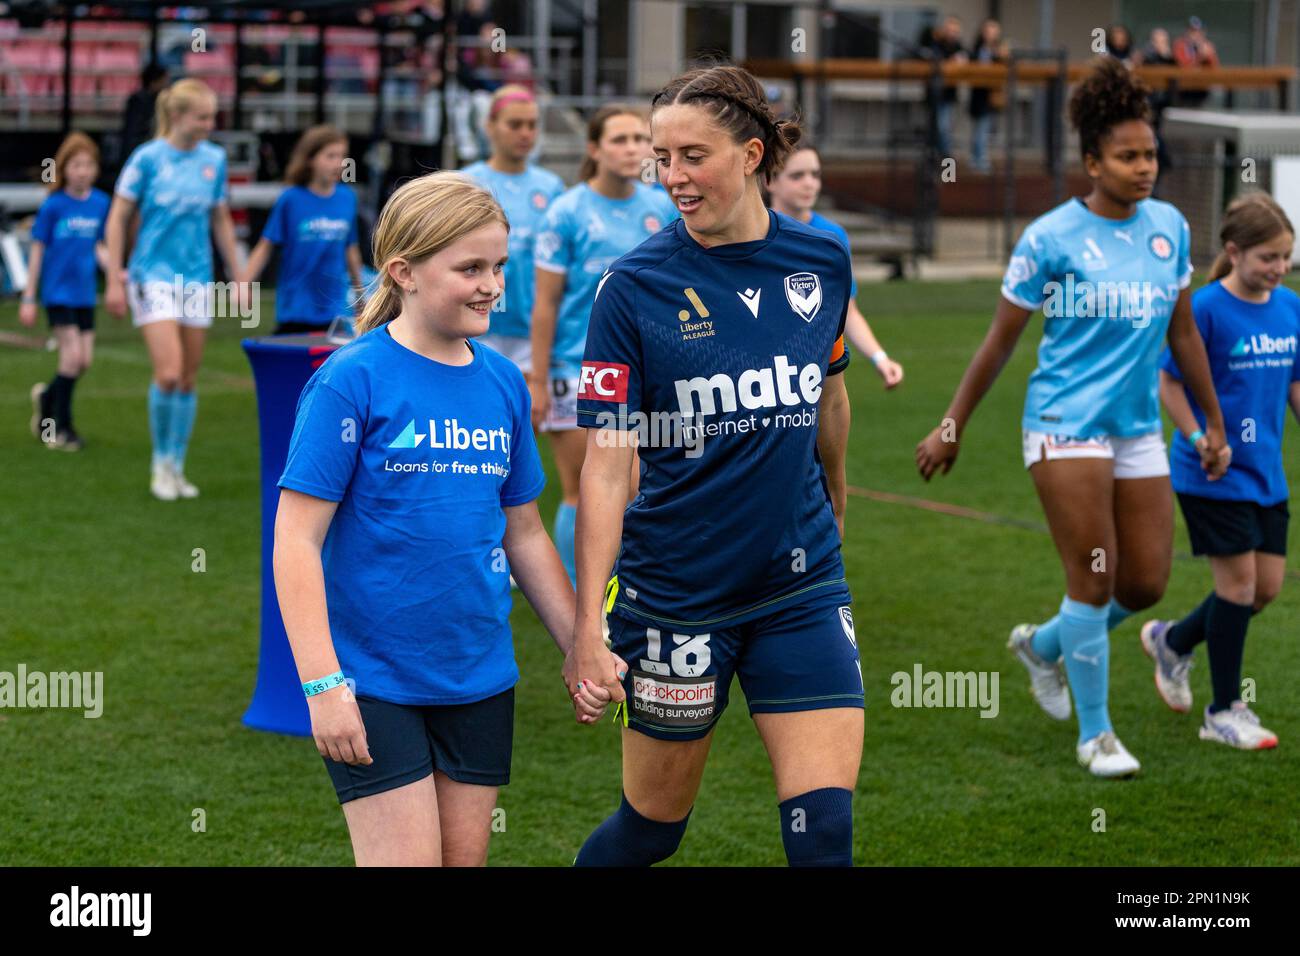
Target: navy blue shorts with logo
{"x": 470, "y": 743}
{"x": 798, "y": 658}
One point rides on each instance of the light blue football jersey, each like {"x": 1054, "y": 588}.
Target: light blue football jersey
{"x": 524, "y": 197}
{"x": 175, "y": 191}
{"x": 1107, "y": 288}
{"x": 583, "y": 234}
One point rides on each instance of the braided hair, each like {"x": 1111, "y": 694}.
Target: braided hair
{"x": 739, "y": 106}
{"x": 1109, "y": 95}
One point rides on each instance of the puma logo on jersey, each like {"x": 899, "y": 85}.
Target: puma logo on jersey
{"x": 750, "y": 297}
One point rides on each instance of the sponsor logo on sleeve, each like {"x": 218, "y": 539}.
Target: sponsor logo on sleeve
{"x": 604, "y": 381}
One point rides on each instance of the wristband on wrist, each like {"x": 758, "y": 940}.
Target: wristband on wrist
{"x": 329, "y": 682}
{"x": 878, "y": 356}
{"x": 1196, "y": 436}
{"x": 29, "y": 300}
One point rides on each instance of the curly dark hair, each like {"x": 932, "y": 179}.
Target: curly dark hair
{"x": 1109, "y": 95}
{"x": 739, "y": 105}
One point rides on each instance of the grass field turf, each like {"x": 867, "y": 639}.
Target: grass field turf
{"x": 97, "y": 576}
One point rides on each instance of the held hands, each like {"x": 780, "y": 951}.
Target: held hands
{"x": 337, "y": 727}
{"x": 593, "y": 676}
{"x": 1215, "y": 452}
{"x": 115, "y": 297}
{"x": 937, "y": 451}
{"x": 27, "y": 314}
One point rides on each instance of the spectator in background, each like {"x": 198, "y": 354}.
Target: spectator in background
{"x": 985, "y": 102}
{"x": 137, "y": 121}
{"x": 944, "y": 43}
{"x": 476, "y": 79}
{"x": 1119, "y": 43}
{"x": 1193, "y": 50}
{"x": 1159, "y": 51}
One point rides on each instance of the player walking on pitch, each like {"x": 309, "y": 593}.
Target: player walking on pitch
{"x": 728, "y": 324}
{"x": 1110, "y": 273}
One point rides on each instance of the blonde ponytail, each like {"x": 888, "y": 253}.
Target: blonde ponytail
{"x": 419, "y": 220}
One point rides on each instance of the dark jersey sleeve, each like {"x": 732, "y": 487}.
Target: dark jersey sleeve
{"x": 611, "y": 379}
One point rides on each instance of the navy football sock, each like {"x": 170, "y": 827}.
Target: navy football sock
{"x": 817, "y": 828}
{"x": 628, "y": 839}
{"x": 1190, "y": 631}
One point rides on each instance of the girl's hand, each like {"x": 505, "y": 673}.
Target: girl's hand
{"x": 27, "y": 314}
{"x": 934, "y": 453}
{"x": 1215, "y": 452}
{"x": 591, "y": 699}
{"x": 336, "y": 724}
{"x": 539, "y": 389}
{"x": 115, "y": 298}
{"x": 891, "y": 372}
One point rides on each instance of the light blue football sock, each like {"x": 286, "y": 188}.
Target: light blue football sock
{"x": 1085, "y": 646}
{"x": 184, "y": 407}
{"x": 566, "y": 517}
{"x": 1046, "y": 642}
{"x": 1116, "y": 615}
{"x": 160, "y": 421}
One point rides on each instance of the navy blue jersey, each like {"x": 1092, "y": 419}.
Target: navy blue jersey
{"x": 715, "y": 359}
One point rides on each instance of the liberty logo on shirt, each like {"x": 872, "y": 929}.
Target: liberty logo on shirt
{"x": 803, "y": 291}
{"x": 1263, "y": 345}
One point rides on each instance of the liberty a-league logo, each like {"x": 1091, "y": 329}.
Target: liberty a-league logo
{"x": 803, "y": 291}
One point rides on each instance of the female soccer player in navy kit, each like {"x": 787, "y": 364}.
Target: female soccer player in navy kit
{"x": 1110, "y": 273}
{"x": 67, "y": 241}
{"x": 609, "y": 212}
{"x": 1251, "y": 324}
{"x": 525, "y": 191}
{"x": 407, "y": 499}
{"x": 793, "y": 192}
{"x": 314, "y": 224}
{"x": 725, "y": 331}
{"x": 177, "y": 182}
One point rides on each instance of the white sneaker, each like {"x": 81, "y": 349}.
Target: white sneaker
{"x": 183, "y": 487}
{"x": 1046, "y": 681}
{"x": 1105, "y": 756}
{"x": 163, "y": 485}
{"x": 1237, "y": 727}
{"x": 1171, "y": 667}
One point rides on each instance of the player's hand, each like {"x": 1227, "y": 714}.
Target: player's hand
{"x": 1215, "y": 452}
{"x": 27, "y": 314}
{"x": 933, "y": 453}
{"x": 589, "y": 662}
{"x": 539, "y": 389}
{"x": 891, "y": 372}
{"x": 115, "y": 299}
{"x": 336, "y": 724}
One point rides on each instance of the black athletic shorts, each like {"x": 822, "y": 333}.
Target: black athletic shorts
{"x": 82, "y": 317}
{"x": 293, "y": 327}
{"x": 1220, "y": 528}
{"x": 471, "y": 743}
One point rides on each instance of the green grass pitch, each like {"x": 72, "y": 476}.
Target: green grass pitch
{"x": 97, "y": 576}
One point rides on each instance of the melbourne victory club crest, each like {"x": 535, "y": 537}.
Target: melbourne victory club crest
{"x": 1161, "y": 246}
{"x": 803, "y": 291}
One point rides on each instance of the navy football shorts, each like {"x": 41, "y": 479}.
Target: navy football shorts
{"x": 797, "y": 658}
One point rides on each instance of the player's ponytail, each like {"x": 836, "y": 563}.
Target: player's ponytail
{"x": 420, "y": 219}
{"x": 1248, "y": 221}
{"x": 740, "y": 106}
{"x": 596, "y": 129}
{"x": 180, "y": 97}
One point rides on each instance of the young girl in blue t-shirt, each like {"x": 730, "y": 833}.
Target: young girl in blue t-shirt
{"x": 409, "y": 497}
{"x": 314, "y": 224}
{"x": 67, "y": 243}
{"x": 1251, "y": 326}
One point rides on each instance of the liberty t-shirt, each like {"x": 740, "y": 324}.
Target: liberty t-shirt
{"x": 422, "y": 457}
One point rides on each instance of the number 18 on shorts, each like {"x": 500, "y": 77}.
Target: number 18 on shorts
{"x": 798, "y": 658}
